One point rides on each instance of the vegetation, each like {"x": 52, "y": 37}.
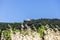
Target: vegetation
{"x": 41, "y": 30}
{"x": 33, "y": 27}
{"x": 6, "y": 34}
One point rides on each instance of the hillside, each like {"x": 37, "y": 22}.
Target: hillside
{"x": 37, "y": 23}
{"x": 32, "y": 29}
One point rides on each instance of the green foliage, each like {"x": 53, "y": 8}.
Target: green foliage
{"x": 25, "y": 32}
{"x": 0, "y": 33}
{"x": 6, "y": 34}
{"x": 40, "y": 30}
{"x": 16, "y": 27}
{"x": 38, "y": 22}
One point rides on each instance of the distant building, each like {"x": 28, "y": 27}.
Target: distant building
{"x": 28, "y": 20}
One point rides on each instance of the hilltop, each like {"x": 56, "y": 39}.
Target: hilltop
{"x": 31, "y": 22}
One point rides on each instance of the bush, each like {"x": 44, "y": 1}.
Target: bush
{"x": 40, "y": 30}
{"x": 6, "y": 34}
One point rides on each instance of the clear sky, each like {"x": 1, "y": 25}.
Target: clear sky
{"x": 19, "y": 10}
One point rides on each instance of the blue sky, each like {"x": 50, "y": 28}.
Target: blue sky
{"x": 19, "y": 10}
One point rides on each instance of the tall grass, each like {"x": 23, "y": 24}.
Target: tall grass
{"x": 43, "y": 33}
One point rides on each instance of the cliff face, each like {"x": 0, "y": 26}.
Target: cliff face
{"x": 40, "y": 29}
